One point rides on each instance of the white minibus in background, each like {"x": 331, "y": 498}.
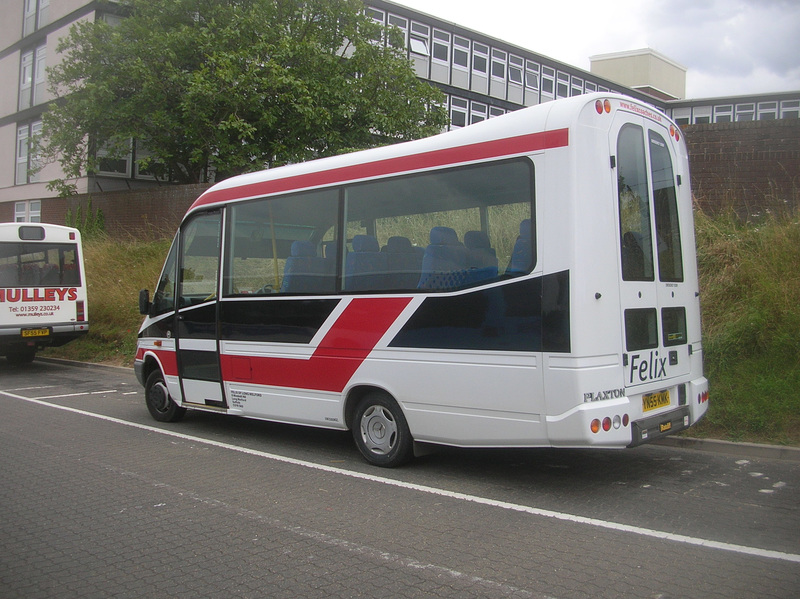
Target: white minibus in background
{"x": 42, "y": 288}
{"x": 527, "y": 281}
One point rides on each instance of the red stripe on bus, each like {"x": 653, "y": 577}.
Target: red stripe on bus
{"x": 510, "y": 146}
{"x": 167, "y": 358}
{"x": 343, "y": 349}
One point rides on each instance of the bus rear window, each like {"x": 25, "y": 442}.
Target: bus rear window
{"x": 39, "y": 265}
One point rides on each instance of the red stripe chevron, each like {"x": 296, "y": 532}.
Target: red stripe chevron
{"x": 343, "y": 349}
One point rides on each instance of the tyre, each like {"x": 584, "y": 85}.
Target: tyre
{"x": 381, "y": 432}
{"x": 159, "y": 403}
{"x": 24, "y": 355}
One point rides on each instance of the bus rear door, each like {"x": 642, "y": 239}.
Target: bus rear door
{"x": 652, "y": 287}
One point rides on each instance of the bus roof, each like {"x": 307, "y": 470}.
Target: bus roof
{"x": 541, "y": 127}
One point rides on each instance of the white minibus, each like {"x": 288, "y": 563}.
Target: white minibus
{"x": 527, "y": 281}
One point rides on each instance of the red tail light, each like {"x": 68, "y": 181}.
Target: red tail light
{"x": 81, "y": 311}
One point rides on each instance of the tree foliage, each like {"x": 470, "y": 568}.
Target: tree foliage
{"x": 230, "y": 86}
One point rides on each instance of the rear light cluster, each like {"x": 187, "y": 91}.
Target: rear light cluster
{"x": 602, "y": 106}
{"x": 608, "y": 423}
{"x": 675, "y": 133}
{"x": 81, "y": 311}
{"x": 702, "y": 397}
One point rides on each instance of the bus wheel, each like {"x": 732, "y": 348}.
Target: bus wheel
{"x": 381, "y": 432}
{"x": 22, "y": 356}
{"x": 159, "y": 403}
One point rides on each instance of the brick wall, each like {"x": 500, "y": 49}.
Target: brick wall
{"x": 750, "y": 167}
{"x": 144, "y": 213}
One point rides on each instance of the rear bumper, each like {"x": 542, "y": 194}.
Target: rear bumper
{"x": 658, "y": 426}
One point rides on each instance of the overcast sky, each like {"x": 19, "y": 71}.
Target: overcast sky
{"x": 730, "y": 47}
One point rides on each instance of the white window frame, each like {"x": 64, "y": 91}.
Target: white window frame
{"x": 480, "y": 52}
{"x": 723, "y": 114}
{"x": 26, "y": 160}
{"x": 460, "y": 106}
{"x": 441, "y": 39}
{"x": 500, "y": 58}
{"x": 745, "y": 112}
{"x": 516, "y": 69}
{"x": 790, "y": 109}
{"x": 28, "y": 211}
{"x": 461, "y": 44}
{"x": 478, "y": 112}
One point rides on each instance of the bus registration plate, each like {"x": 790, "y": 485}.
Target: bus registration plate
{"x": 35, "y": 332}
{"x": 653, "y": 401}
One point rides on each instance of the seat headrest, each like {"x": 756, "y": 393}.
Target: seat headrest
{"x": 525, "y": 228}
{"x": 399, "y": 245}
{"x": 443, "y": 236}
{"x": 365, "y": 243}
{"x": 302, "y": 248}
{"x": 476, "y": 240}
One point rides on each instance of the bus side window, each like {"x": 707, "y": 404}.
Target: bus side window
{"x": 164, "y": 296}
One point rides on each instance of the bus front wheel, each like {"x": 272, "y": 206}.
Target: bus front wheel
{"x": 381, "y": 432}
{"x": 159, "y": 403}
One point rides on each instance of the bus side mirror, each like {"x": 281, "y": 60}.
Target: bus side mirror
{"x": 144, "y": 302}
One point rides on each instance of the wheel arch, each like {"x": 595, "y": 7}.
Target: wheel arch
{"x": 356, "y": 393}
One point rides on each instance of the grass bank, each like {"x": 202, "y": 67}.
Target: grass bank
{"x": 750, "y": 297}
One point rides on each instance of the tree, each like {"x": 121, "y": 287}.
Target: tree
{"x": 230, "y": 86}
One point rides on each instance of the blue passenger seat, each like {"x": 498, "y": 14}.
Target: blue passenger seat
{"x": 445, "y": 261}
{"x": 481, "y": 257}
{"x": 365, "y": 266}
{"x": 305, "y": 272}
{"x": 403, "y": 262}
{"x": 521, "y": 256}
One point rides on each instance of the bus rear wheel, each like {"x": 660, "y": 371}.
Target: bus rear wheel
{"x": 159, "y": 403}
{"x": 381, "y": 432}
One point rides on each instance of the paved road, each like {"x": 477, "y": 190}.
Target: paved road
{"x": 98, "y": 500}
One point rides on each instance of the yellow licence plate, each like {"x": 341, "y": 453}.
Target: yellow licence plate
{"x": 653, "y": 401}
{"x": 35, "y": 332}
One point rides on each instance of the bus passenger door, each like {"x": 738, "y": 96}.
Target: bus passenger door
{"x": 196, "y": 327}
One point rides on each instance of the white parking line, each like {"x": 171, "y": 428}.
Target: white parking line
{"x": 637, "y": 530}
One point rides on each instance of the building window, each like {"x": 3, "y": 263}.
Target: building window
{"x": 590, "y": 87}
{"x": 480, "y": 58}
{"x": 441, "y": 46}
{"x": 577, "y": 86}
{"x": 767, "y": 111}
{"x": 27, "y": 163}
{"x": 35, "y": 16}
{"x": 515, "y": 68}
{"x": 723, "y": 114}
{"x": 458, "y": 112}
{"x": 495, "y": 111}
{"x": 478, "y": 113}
{"x": 111, "y": 164}
{"x": 401, "y": 25}
{"x": 32, "y": 77}
{"x": 790, "y": 109}
{"x": 28, "y": 211}
{"x": 531, "y": 75}
{"x": 419, "y": 42}
{"x": 562, "y": 86}
{"x": 745, "y": 112}
{"x": 498, "y": 64}
{"x": 460, "y": 52}
{"x": 548, "y": 82}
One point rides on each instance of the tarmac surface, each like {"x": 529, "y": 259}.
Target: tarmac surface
{"x": 99, "y": 500}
